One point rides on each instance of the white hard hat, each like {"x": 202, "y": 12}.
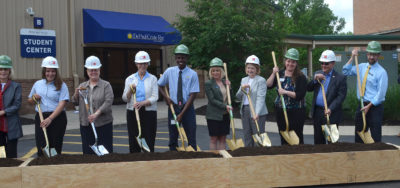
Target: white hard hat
{"x": 253, "y": 59}
{"x": 327, "y": 56}
{"x": 92, "y": 62}
{"x": 142, "y": 57}
{"x": 50, "y": 62}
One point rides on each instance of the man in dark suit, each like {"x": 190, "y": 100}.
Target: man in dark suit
{"x": 335, "y": 90}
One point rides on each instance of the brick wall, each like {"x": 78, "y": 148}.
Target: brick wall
{"x": 372, "y": 16}
{"x": 27, "y": 84}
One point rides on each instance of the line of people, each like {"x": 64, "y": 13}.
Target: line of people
{"x": 183, "y": 86}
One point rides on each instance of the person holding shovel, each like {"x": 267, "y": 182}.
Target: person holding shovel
{"x": 374, "y": 84}
{"x": 255, "y": 86}
{"x": 100, "y": 98}
{"x": 335, "y": 90}
{"x": 294, "y": 87}
{"x": 52, "y": 94}
{"x": 146, "y": 88}
{"x": 10, "y": 102}
{"x": 217, "y": 114}
{"x": 183, "y": 84}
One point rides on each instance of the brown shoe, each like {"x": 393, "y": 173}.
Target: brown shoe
{"x": 398, "y": 135}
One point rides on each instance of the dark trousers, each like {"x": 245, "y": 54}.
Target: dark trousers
{"x": 374, "y": 123}
{"x": 55, "y": 132}
{"x": 148, "y": 125}
{"x": 319, "y": 120}
{"x": 10, "y": 145}
{"x": 104, "y": 137}
{"x": 189, "y": 125}
{"x": 296, "y": 119}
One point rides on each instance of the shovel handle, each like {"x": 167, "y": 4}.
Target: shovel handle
{"x": 281, "y": 96}
{"x": 252, "y": 110}
{"x": 228, "y": 94}
{"x": 361, "y": 93}
{"x": 41, "y": 119}
{"x": 137, "y": 114}
{"x": 174, "y": 115}
{"x": 325, "y": 103}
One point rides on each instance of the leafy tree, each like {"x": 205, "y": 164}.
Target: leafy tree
{"x": 231, "y": 30}
{"x": 310, "y": 17}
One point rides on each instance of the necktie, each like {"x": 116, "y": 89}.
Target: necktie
{"x": 180, "y": 94}
{"x": 364, "y": 81}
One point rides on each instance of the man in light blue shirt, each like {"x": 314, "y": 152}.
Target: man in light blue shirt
{"x": 183, "y": 85}
{"x": 375, "y": 90}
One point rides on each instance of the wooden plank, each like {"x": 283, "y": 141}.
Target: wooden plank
{"x": 211, "y": 172}
{"x": 315, "y": 169}
{"x": 10, "y": 177}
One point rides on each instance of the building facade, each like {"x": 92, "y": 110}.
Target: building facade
{"x": 63, "y": 22}
{"x": 376, "y": 17}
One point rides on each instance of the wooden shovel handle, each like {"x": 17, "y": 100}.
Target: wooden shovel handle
{"x": 252, "y": 110}
{"x": 280, "y": 87}
{"x": 228, "y": 94}
{"x": 41, "y": 120}
{"x": 325, "y": 103}
{"x": 361, "y": 94}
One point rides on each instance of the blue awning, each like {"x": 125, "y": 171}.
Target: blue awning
{"x": 101, "y": 26}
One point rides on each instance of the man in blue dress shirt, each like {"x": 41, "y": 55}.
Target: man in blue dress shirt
{"x": 183, "y": 84}
{"x": 374, "y": 87}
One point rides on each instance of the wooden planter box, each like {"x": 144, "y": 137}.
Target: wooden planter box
{"x": 255, "y": 171}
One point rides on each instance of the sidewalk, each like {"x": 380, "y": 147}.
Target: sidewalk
{"x": 119, "y": 114}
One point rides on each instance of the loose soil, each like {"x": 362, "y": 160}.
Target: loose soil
{"x": 117, "y": 157}
{"x": 302, "y": 149}
{"x": 6, "y": 162}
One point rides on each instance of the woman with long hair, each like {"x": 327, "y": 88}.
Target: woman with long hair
{"x": 294, "y": 87}
{"x": 53, "y": 95}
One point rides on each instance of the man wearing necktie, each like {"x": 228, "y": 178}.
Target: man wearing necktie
{"x": 183, "y": 84}
{"x": 335, "y": 90}
{"x": 373, "y": 89}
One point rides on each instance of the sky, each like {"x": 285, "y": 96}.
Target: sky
{"x": 343, "y": 9}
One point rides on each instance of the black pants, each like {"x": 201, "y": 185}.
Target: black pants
{"x": 296, "y": 119}
{"x": 55, "y": 132}
{"x": 10, "y": 145}
{"x": 319, "y": 120}
{"x": 148, "y": 125}
{"x": 104, "y": 136}
{"x": 374, "y": 123}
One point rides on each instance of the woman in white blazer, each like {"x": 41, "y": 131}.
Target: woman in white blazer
{"x": 258, "y": 89}
{"x": 146, "y": 88}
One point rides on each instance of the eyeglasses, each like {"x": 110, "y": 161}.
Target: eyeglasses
{"x": 325, "y": 63}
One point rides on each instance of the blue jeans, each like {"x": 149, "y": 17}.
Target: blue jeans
{"x": 189, "y": 125}
{"x": 374, "y": 123}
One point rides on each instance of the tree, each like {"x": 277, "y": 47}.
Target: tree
{"x": 310, "y": 17}
{"x": 231, "y": 30}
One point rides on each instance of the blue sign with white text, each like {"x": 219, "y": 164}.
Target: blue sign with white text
{"x": 37, "y": 43}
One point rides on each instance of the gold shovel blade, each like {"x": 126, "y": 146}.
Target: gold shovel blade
{"x": 3, "y": 152}
{"x": 290, "y": 137}
{"x": 366, "y": 137}
{"x": 234, "y": 144}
